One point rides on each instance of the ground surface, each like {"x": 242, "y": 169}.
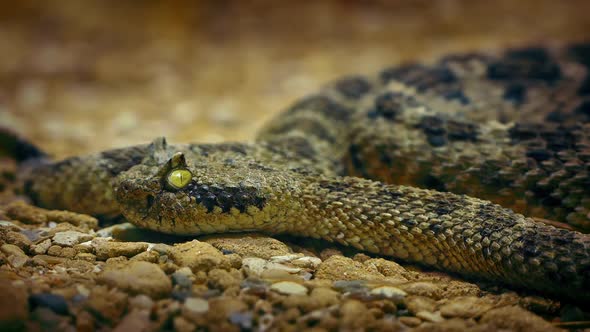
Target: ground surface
{"x": 76, "y": 78}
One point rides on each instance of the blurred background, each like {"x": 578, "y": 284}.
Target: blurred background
{"x": 81, "y": 76}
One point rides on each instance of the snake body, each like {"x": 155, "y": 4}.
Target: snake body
{"x": 390, "y": 164}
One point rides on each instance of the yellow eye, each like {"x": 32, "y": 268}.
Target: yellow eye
{"x": 179, "y": 178}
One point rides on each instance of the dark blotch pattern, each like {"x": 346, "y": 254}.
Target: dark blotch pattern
{"x": 120, "y": 160}
{"x": 458, "y": 95}
{"x": 439, "y": 130}
{"x": 323, "y": 105}
{"x": 308, "y": 126}
{"x": 583, "y": 110}
{"x": 225, "y": 197}
{"x": 353, "y": 87}
{"x": 390, "y": 104}
{"x": 525, "y": 64}
{"x": 206, "y": 149}
{"x": 420, "y": 76}
{"x": 515, "y": 93}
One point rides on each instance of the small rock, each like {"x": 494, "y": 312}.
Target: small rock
{"x": 307, "y": 262}
{"x": 41, "y": 248}
{"x": 14, "y": 304}
{"x": 147, "y": 256}
{"x": 54, "y": 250}
{"x": 141, "y": 301}
{"x": 26, "y": 213}
{"x": 83, "y": 221}
{"x": 466, "y": 307}
{"x": 354, "y": 315}
{"x": 18, "y": 239}
{"x": 343, "y": 268}
{"x": 255, "y": 267}
{"x": 107, "y": 304}
{"x": 346, "y": 286}
{"x": 289, "y": 288}
{"x": 136, "y": 320}
{"x": 182, "y": 279}
{"x": 137, "y": 278}
{"x": 15, "y": 256}
{"x": 324, "y": 297}
{"x": 198, "y": 256}
{"x": 251, "y": 246}
{"x": 220, "y": 308}
{"x": 113, "y": 230}
{"x": 433, "y": 317}
{"x": 85, "y": 322}
{"x": 55, "y": 303}
{"x": 70, "y": 238}
{"x": 86, "y": 257}
{"x": 196, "y": 305}
{"x": 410, "y": 321}
{"x": 224, "y": 279}
{"x": 109, "y": 249}
{"x": 285, "y": 258}
{"x": 393, "y": 293}
{"x": 423, "y": 288}
{"x": 11, "y": 249}
{"x": 392, "y": 270}
{"x": 420, "y": 303}
{"x": 181, "y": 324}
{"x": 242, "y": 319}
{"x": 515, "y": 318}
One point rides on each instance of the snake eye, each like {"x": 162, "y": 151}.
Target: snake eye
{"x": 179, "y": 178}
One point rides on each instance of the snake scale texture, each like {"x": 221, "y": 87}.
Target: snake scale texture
{"x": 422, "y": 162}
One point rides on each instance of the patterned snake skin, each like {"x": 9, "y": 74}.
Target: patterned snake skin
{"x": 371, "y": 162}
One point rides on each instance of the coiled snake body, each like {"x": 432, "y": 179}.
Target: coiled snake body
{"x": 371, "y": 162}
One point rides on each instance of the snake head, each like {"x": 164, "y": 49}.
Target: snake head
{"x": 192, "y": 189}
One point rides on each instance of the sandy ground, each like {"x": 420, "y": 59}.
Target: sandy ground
{"x": 78, "y": 77}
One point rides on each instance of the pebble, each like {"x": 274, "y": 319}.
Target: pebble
{"x": 107, "y": 304}
{"x": 307, "y": 262}
{"x": 224, "y": 279}
{"x": 393, "y": 293}
{"x": 410, "y": 321}
{"x": 289, "y": 288}
{"x": 105, "y": 249}
{"x": 285, "y": 258}
{"x": 242, "y": 319}
{"x": 343, "y": 268}
{"x": 18, "y": 239}
{"x": 136, "y": 320}
{"x": 350, "y": 285}
{"x": 70, "y": 238}
{"x": 137, "y": 278}
{"x": 423, "y": 288}
{"x": 198, "y": 256}
{"x": 466, "y": 307}
{"x": 515, "y": 318}
{"x": 251, "y": 246}
{"x": 255, "y": 267}
{"x": 420, "y": 303}
{"x": 195, "y": 305}
{"x": 41, "y": 248}
{"x": 14, "y": 304}
{"x": 15, "y": 256}
{"x": 354, "y": 315}
{"x": 182, "y": 278}
{"x": 428, "y": 316}
{"x": 141, "y": 301}
{"x": 55, "y": 303}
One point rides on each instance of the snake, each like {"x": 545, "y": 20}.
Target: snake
{"x": 449, "y": 164}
